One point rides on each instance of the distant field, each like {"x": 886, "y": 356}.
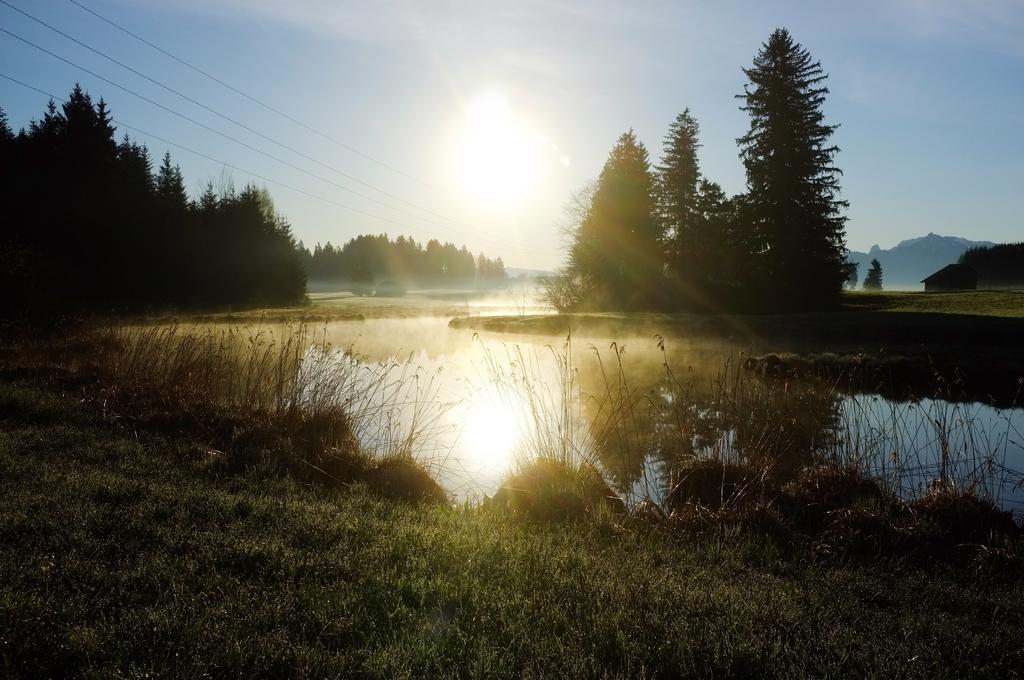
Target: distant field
{"x": 1007, "y": 303}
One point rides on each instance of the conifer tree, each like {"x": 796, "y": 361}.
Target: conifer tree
{"x": 618, "y": 244}
{"x": 170, "y": 186}
{"x": 6, "y": 135}
{"x": 792, "y": 207}
{"x": 873, "y": 279}
{"x": 678, "y": 181}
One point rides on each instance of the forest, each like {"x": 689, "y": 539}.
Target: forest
{"x": 91, "y": 227}
{"x": 998, "y": 266}
{"x": 368, "y": 258}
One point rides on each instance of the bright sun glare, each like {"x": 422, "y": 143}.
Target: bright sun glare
{"x": 498, "y": 158}
{"x": 490, "y": 431}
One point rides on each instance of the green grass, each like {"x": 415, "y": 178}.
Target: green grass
{"x": 1003, "y": 303}
{"x": 127, "y": 554}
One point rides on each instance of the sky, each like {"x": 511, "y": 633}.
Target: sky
{"x": 476, "y": 121}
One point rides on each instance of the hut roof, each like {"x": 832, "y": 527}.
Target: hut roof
{"x": 951, "y": 272}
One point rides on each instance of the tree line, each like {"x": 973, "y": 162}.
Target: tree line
{"x": 998, "y": 266}
{"x": 90, "y": 226}
{"x": 667, "y": 237}
{"x": 368, "y": 259}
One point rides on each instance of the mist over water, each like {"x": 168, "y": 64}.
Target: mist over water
{"x": 484, "y": 402}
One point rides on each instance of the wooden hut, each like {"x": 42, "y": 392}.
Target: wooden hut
{"x": 952, "y": 277}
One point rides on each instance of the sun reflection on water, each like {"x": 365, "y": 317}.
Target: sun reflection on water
{"x": 490, "y": 432}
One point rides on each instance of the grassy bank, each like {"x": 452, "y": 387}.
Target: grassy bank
{"x": 127, "y": 553}
{"x": 845, "y": 329}
{"x": 972, "y": 338}
{"x": 998, "y": 303}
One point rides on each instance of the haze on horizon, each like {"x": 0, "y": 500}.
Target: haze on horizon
{"x": 495, "y": 114}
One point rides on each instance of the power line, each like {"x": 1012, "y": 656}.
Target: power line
{"x": 231, "y": 165}
{"x": 254, "y": 100}
{"x": 224, "y": 134}
{"x": 217, "y": 113}
{"x": 435, "y": 223}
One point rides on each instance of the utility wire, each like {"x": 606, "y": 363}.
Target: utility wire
{"x": 254, "y": 100}
{"x": 231, "y": 138}
{"x": 234, "y": 121}
{"x": 227, "y": 164}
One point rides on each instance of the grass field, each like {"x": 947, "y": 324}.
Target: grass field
{"x": 990, "y": 319}
{"x": 1004, "y": 303}
{"x": 124, "y": 554}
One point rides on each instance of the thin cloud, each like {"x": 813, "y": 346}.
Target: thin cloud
{"x": 992, "y": 24}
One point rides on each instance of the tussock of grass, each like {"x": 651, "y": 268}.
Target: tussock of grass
{"x": 554, "y": 489}
{"x": 404, "y": 479}
{"x": 714, "y": 484}
{"x": 810, "y": 500}
{"x": 957, "y": 516}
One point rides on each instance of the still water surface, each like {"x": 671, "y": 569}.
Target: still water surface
{"x": 485, "y": 401}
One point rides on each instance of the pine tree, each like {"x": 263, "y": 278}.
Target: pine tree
{"x": 6, "y": 135}
{"x": 873, "y": 279}
{"x": 618, "y": 244}
{"x": 677, "y": 186}
{"x": 170, "y": 186}
{"x": 208, "y": 200}
{"x": 792, "y": 207}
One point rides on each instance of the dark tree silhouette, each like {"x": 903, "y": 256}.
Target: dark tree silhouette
{"x": 792, "y": 208}
{"x": 90, "y": 229}
{"x": 873, "y": 279}
{"x": 617, "y": 246}
{"x": 998, "y": 266}
{"x": 852, "y": 274}
{"x": 678, "y": 178}
{"x": 6, "y": 135}
{"x": 368, "y": 259}
{"x": 702, "y": 250}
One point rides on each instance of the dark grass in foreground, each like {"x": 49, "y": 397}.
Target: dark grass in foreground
{"x": 128, "y": 556}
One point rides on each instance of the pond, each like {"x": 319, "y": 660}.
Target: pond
{"x": 471, "y": 406}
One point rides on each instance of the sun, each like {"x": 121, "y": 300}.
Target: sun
{"x": 498, "y": 158}
{"x": 490, "y": 431}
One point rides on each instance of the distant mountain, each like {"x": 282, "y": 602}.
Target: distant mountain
{"x": 905, "y": 265}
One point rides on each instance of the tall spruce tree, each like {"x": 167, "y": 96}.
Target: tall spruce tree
{"x": 617, "y": 246}
{"x": 677, "y": 186}
{"x": 792, "y": 207}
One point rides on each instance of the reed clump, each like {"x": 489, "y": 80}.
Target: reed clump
{"x": 553, "y": 489}
{"x": 276, "y": 400}
{"x": 763, "y": 452}
{"x": 958, "y": 516}
{"x": 714, "y": 484}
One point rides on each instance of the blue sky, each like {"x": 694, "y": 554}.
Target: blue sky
{"x": 929, "y": 95}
